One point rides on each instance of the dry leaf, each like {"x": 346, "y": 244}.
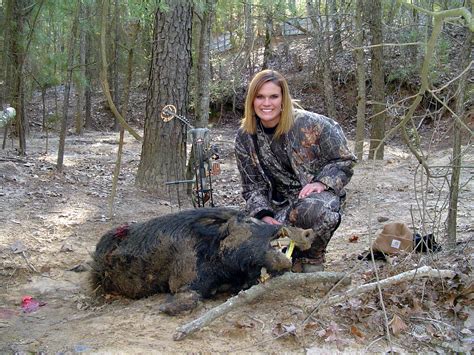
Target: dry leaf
{"x": 242, "y": 324}
{"x": 451, "y": 299}
{"x": 311, "y": 325}
{"x": 356, "y": 332}
{"x": 397, "y": 325}
{"x": 353, "y": 238}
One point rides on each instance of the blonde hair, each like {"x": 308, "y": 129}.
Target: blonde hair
{"x": 287, "y": 118}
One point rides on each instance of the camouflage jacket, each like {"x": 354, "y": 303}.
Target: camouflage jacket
{"x": 316, "y": 149}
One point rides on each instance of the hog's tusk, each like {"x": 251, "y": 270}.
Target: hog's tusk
{"x": 290, "y": 248}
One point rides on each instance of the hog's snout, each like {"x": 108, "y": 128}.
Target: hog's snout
{"x": 303, "y": 238}
{"x": 307, "y": 233}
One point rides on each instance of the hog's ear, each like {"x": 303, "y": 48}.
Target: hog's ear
{"x": 209, "y": 232}
{"x": 234, "y": 233}
{"x": 209, "y": 227}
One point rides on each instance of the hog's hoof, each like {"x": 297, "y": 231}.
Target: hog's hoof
{"x": 179, "y": 303}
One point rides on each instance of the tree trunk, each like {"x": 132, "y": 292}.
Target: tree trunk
{"x": 133, "y": 29}
{"x": 360, "y": 70}
{"x": 203, "y": 68}
{"x": 163, "y": 156}
{"x": 17, "y": 52}
{"x": 320, "y": 45}
{"x": 18, "y": 44}
{"x": 103, "y": 73}
{"x": 456, "y": 160}
{"x": 132, "y": 32}
{"x": 267, "y": 51}
{"x": 336, "y": 27}
{"x": 79, "y": 83}
{"x": 377, "y": 132}
{"x": 88, "y": 71}
{"x": 6, "y": 62}
{"x": 115, "y": 63}
{"x": 249, "y": 34}
{"x": 67, "y": 88}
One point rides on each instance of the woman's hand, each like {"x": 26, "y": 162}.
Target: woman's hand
{"x": 270, "y": 220}
{"x": 317, "y": 187}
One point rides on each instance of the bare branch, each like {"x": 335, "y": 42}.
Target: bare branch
{"x": 424, "y": 271}
{"x": 287, "y": 280}
{"x": 388, "y": 45}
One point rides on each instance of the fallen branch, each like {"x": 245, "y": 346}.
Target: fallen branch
{"x": 286, "y": 281}
{"x": 424, "y": 271}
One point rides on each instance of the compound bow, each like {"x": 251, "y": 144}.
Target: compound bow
{"x": 203, "y": 168}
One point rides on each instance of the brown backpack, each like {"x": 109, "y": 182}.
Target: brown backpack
{"x": 394, "y": 238}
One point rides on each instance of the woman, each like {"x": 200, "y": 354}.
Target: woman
{"x": 294, "y": 165}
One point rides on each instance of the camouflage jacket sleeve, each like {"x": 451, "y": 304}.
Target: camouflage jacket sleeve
{"x": 320, "y": 151}
{"x": 255, "y": 186}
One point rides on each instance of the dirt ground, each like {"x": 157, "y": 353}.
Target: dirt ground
{"x": 51, "y": 223}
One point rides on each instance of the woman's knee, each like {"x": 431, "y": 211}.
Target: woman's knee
{"x": 319, "y": 216}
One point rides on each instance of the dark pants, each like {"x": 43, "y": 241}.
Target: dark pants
{"x": 319, "y": 211}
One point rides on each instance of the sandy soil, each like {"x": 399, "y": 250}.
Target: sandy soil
{"x": 51, "y": 223}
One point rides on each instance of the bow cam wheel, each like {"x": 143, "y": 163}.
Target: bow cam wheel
{"x": 168, "y": 112}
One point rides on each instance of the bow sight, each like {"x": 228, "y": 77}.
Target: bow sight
{"x": 202, "y": 166}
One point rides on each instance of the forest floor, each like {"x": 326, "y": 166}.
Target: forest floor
{"x": 51, "y": 223}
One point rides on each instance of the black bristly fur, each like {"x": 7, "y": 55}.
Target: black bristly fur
{"x": 183, "y": 251}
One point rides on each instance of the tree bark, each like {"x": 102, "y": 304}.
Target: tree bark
{"x": 163, "y": 156}
{"x": 115, "y": 63}
{"x": 377, "y": 133}
{"x": 67, "y": 88}
{"x": 17, "y": 54}
{"x": 133, "y": 29}
{"x": 267, "y": 51}
{"x": 6, "y": 62}
{"x": 249, "y": 34}
{"x": 79, "y": 83}
{"x": 103, "y": 74}
{"x": 203, "y": 76}
{"x": 456, "y": 160}
{"x": 336, "y": 27}
{"x": 320, "y": 45}
{"x": 88, "y": 72}
{"x": 360, "y": 72}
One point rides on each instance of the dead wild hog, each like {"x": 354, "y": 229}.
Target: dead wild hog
{"x": 191, "y": 254}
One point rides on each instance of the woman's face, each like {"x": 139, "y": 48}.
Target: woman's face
{"x": 267, "y": 104}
